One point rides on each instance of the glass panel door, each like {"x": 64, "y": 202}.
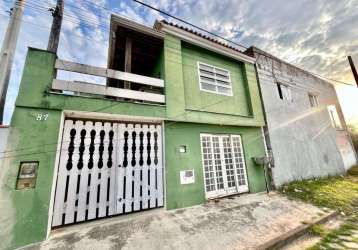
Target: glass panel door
{"x": 223, "y": 165}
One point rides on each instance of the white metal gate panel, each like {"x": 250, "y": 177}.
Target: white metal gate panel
{"x": 223, "y": 164}
{"x": 107, "y": 168}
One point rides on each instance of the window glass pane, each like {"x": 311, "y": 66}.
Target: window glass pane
{"x": 208, "y": 73}
{"x": 223, "y": 82}
{"x": 208, "y": 79}
{"x": 313, "y": 100}
{"x": 208, "y": 86}
{"x": 336, "y": 123}
{"x": 279, "y": 91}
{"x": 206, "y": 68}
{"x": 214, "y": 79}
{"x": 224, "y": 90}
{"x": 222, "y": 78}
{"x": 221, "y": 72}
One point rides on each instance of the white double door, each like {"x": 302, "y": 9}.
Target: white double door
{"x": 107, "y": 168}
{"x": 223, "y": 164}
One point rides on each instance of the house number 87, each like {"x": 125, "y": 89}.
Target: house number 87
{"x": 41, "y": 117}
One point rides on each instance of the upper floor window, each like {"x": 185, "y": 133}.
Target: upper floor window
{"x": 215, "y": 80}
{"x": 284, "y": 92}
{"x": 313, "y": 100}
{"x": 336, "y": 123}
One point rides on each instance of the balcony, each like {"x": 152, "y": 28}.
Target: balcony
{"x": 150, "y": 89}
{"x": 134, "y": 70}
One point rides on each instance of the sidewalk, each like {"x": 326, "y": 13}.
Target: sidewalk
{"x": 241, "y": 222}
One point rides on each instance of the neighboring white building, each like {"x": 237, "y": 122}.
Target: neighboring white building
{"x": 4, "y": 131}
{"x": 306, "y": 131}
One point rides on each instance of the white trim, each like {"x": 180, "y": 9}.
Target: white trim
{"x": 215, "y": 84}
{"x": 333, "y": 115}
{"x": 243, "y": 188}
{"x": 110, "y": 117}
{"x": 98, "y": 116}
{"x": 226, "y": 191}
{"x": 55, "y": 173}
{"x": 127, "y": 23}
{"x": 204, "y": 43}
{"x": 164, "y": 176}
{"x": 108, "y": 73}
{"x": 96, "y": 89}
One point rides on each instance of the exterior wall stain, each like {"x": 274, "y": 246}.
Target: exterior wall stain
{"x": 303, "y": 142}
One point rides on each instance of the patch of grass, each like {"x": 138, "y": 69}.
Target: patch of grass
{"x": 319, "y": 230}
{"x": 338, "y": 193}
{"x": 334, "y": 237}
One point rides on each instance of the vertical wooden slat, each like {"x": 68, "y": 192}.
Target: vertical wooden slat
{"x": 104, "y": 173}
{"x": 62, "y": 175}
{"x": 153, "y": 193}
{"x": 136, "y": 205}
{"x": 82, "y": 195}
{"x": 114, "y": 171}
{"x": 129, "y": 171}
{"x": 92, "y": 206}
{"x": 160, "y": 178}
{"x": 73, "y": 174}
{"x": 120, "y": 168}
{"x": 111, "y": 190}
{"x": 145, "y": 168}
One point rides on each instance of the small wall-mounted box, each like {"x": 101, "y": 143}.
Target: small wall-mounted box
{"x": 27, "y": 175}
{"x": 187, "y": 177}
{"x": 182, "y": 149}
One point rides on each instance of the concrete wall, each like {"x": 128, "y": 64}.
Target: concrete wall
{"x": 4, "y": 131}
{"x": 303, "y": 141}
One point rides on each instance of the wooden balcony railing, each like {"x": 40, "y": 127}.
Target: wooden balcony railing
{"x": 97, "y": 89}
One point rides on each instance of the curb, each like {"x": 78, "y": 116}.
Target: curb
{"x": 293, "y": 234}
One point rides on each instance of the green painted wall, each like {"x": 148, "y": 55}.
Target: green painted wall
{"x": 24, "y": 214}
{"x": 238, "y": 104}
{"x": 36, "y": 83}
{"x": 184, "y": 100}
{"x": 177, "y": 134}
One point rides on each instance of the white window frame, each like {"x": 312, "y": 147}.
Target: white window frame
{"x": 226, "y": 190}
{"x": 313, "y": 98}
{"x": 333, "y": 115}
{"x": 216, "y": 84}
{"x": 285, "y": 91}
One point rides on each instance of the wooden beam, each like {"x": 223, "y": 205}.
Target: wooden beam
{"x": 96, "y": 89}
{"x": 110, "y": 73}
{"x": 128, "y": 60}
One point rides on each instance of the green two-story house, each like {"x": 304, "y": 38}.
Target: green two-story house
{"x": 176, "y": 122}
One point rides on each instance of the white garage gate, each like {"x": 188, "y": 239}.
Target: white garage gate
{"x": 106, "y": 169}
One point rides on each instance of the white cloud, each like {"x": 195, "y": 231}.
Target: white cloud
{"x": 316, "y": 35}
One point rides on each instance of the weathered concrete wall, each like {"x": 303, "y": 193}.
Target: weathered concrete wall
{"x": 4, "y": 131}
{"x": 303, "y": 141}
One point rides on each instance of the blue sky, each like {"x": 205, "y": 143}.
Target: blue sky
{"x": 315, "y": 35}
